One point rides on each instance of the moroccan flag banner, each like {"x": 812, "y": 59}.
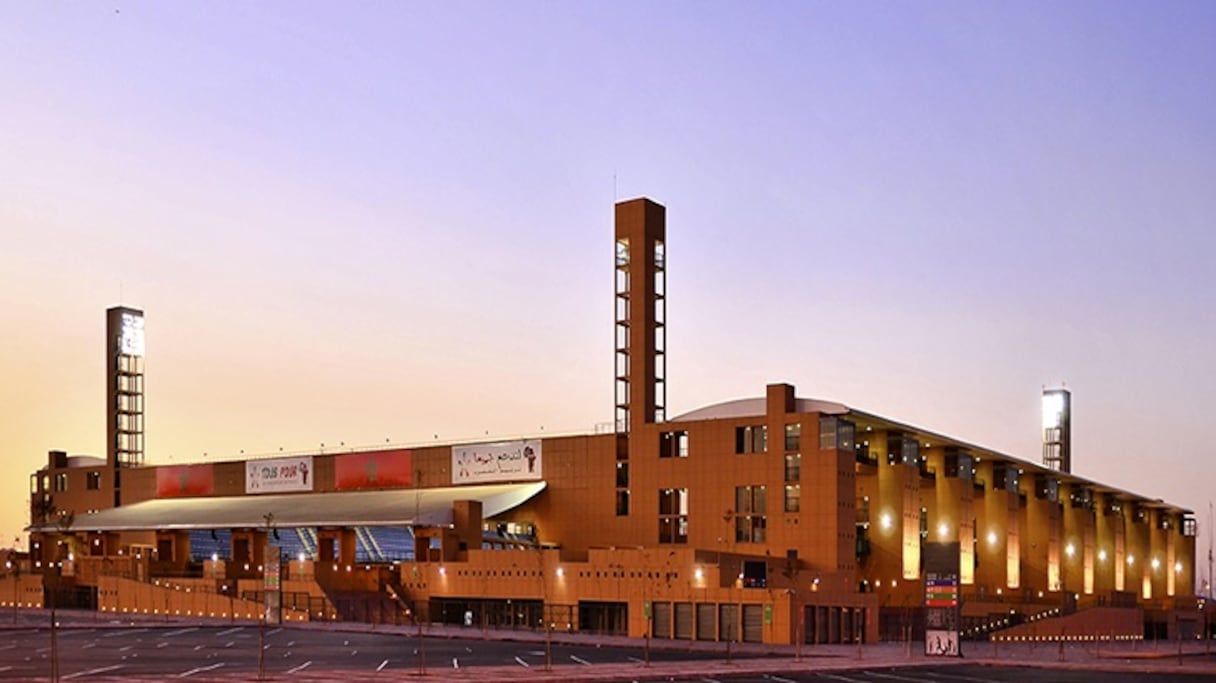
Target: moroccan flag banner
{"x": 185, "y": 481}
{"x": 372, "y": 470}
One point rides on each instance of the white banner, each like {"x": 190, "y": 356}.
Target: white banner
{"x": 502, "y": 461}
{"x": 280, "y": 475}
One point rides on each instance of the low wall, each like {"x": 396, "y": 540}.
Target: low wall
{"x": 1098, "y": 623}
{"x": 178, "y": 598}
{"x": 24, "y": 589}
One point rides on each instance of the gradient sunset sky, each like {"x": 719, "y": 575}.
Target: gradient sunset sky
{"x": 360, "y": 222}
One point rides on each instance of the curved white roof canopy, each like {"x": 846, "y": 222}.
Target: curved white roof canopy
{"x": 398, "y": 507}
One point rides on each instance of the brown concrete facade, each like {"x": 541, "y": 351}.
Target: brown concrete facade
{"x": 774, "y": 519}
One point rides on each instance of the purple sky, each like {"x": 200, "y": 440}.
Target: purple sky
{"x": 352, "y": 222}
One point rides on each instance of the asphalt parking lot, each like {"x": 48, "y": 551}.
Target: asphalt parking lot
{"x": 99, "y": 650}
{"x": 190, "y": 651}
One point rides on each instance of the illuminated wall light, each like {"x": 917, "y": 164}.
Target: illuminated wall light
{"x": 886, "y": 520}
{"x": 1131, "y": 559}
{"x": 1101, "y": 555}
{"x": 943, "y": 530}
{"x": 699, "y": 573}
{"x": 443, "y": 571}
{"x": 1156, "y": 563}
{"x": 1070, "y": 550}
{"x": 560, "y": 572}
{"x": 1177, "y": 567}
{"x": 991, "y": 538}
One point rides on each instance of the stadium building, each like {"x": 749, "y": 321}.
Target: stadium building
{"x": 774, "y": 519}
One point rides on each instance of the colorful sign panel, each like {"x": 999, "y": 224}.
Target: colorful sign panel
{"x": 372, "y": 470}
{"x": 942, "y": 614}
{"x": 501, "y": 461}
{"x": 185, "y": 481}
{"x": 280, "y": 475}
{"x": 941, "y": 591}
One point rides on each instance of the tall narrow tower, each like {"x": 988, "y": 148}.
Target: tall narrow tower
{"x": 1057, "y": 429}
{"x": 124, "y": 391}
{"x": 641, "y": 313}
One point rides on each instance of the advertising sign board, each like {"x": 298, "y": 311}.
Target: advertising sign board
{"x": 280, "y": 475}
{"x": 502, "y": 461}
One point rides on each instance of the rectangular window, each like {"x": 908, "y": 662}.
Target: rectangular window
{"x": 751, "y": 439}
{"x": 793, "y": 437}
{"x": 93, "y": 481}
{"x": 673, "y": 515}
{"x": 61, "y": 481}
{"x": 862, "y": 506}
{"x": 793, "y": 498}
{"x": 750, "y": 507}
{"x": 845, "y": 433}
{"x": 622, "y": 475}
{"x": 827, "y": 433}
{"x": 622, "y": 502}
{"x": 673, "y": 444}
{"x": 793, "y": 466}
{"x": 903, "y": 449}
{"x": 958, "y": 464}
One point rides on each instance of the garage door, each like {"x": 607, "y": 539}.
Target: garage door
{"x": 707, "y": 626}
{"x": 753, "y": 623}
{"x": 684, "y": 620}
{"x": 662, "y": 620}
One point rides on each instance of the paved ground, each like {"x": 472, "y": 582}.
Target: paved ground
{"x": 96, "y": 648}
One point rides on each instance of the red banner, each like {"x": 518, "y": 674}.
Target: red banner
{"x": 372, "y": 470}
{"x": 184, "y": 481}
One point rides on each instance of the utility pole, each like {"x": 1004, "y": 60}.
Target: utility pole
{"x": 418, "y": 607}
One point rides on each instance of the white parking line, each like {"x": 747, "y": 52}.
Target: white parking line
{"x": 523, "y": 663}
{"x": 300, "y": 667}
{"x": 839, "y": 678}
{"x": 90, "y": 672}
{"x": 199, "y": 670}
{"x": 229, "y": 630}
{"x": 273, "y": 631}
{"x": 382, "y": 665}
{"x": 580, "y": 660}
{"x": 893, "y": 677}
{"x": 179, "y": 631}
{"x": 5, "y": 668}
{"x": 958, "y": 677}
{"x": 92, "y": 643}
{"x": 123, "y": 633}
{"x": 710, "y": 680}
{"x": 780, "y": 679}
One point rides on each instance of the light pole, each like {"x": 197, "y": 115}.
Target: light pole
{"x": 727, "y": 517}
{"x": 14, "y": 571}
